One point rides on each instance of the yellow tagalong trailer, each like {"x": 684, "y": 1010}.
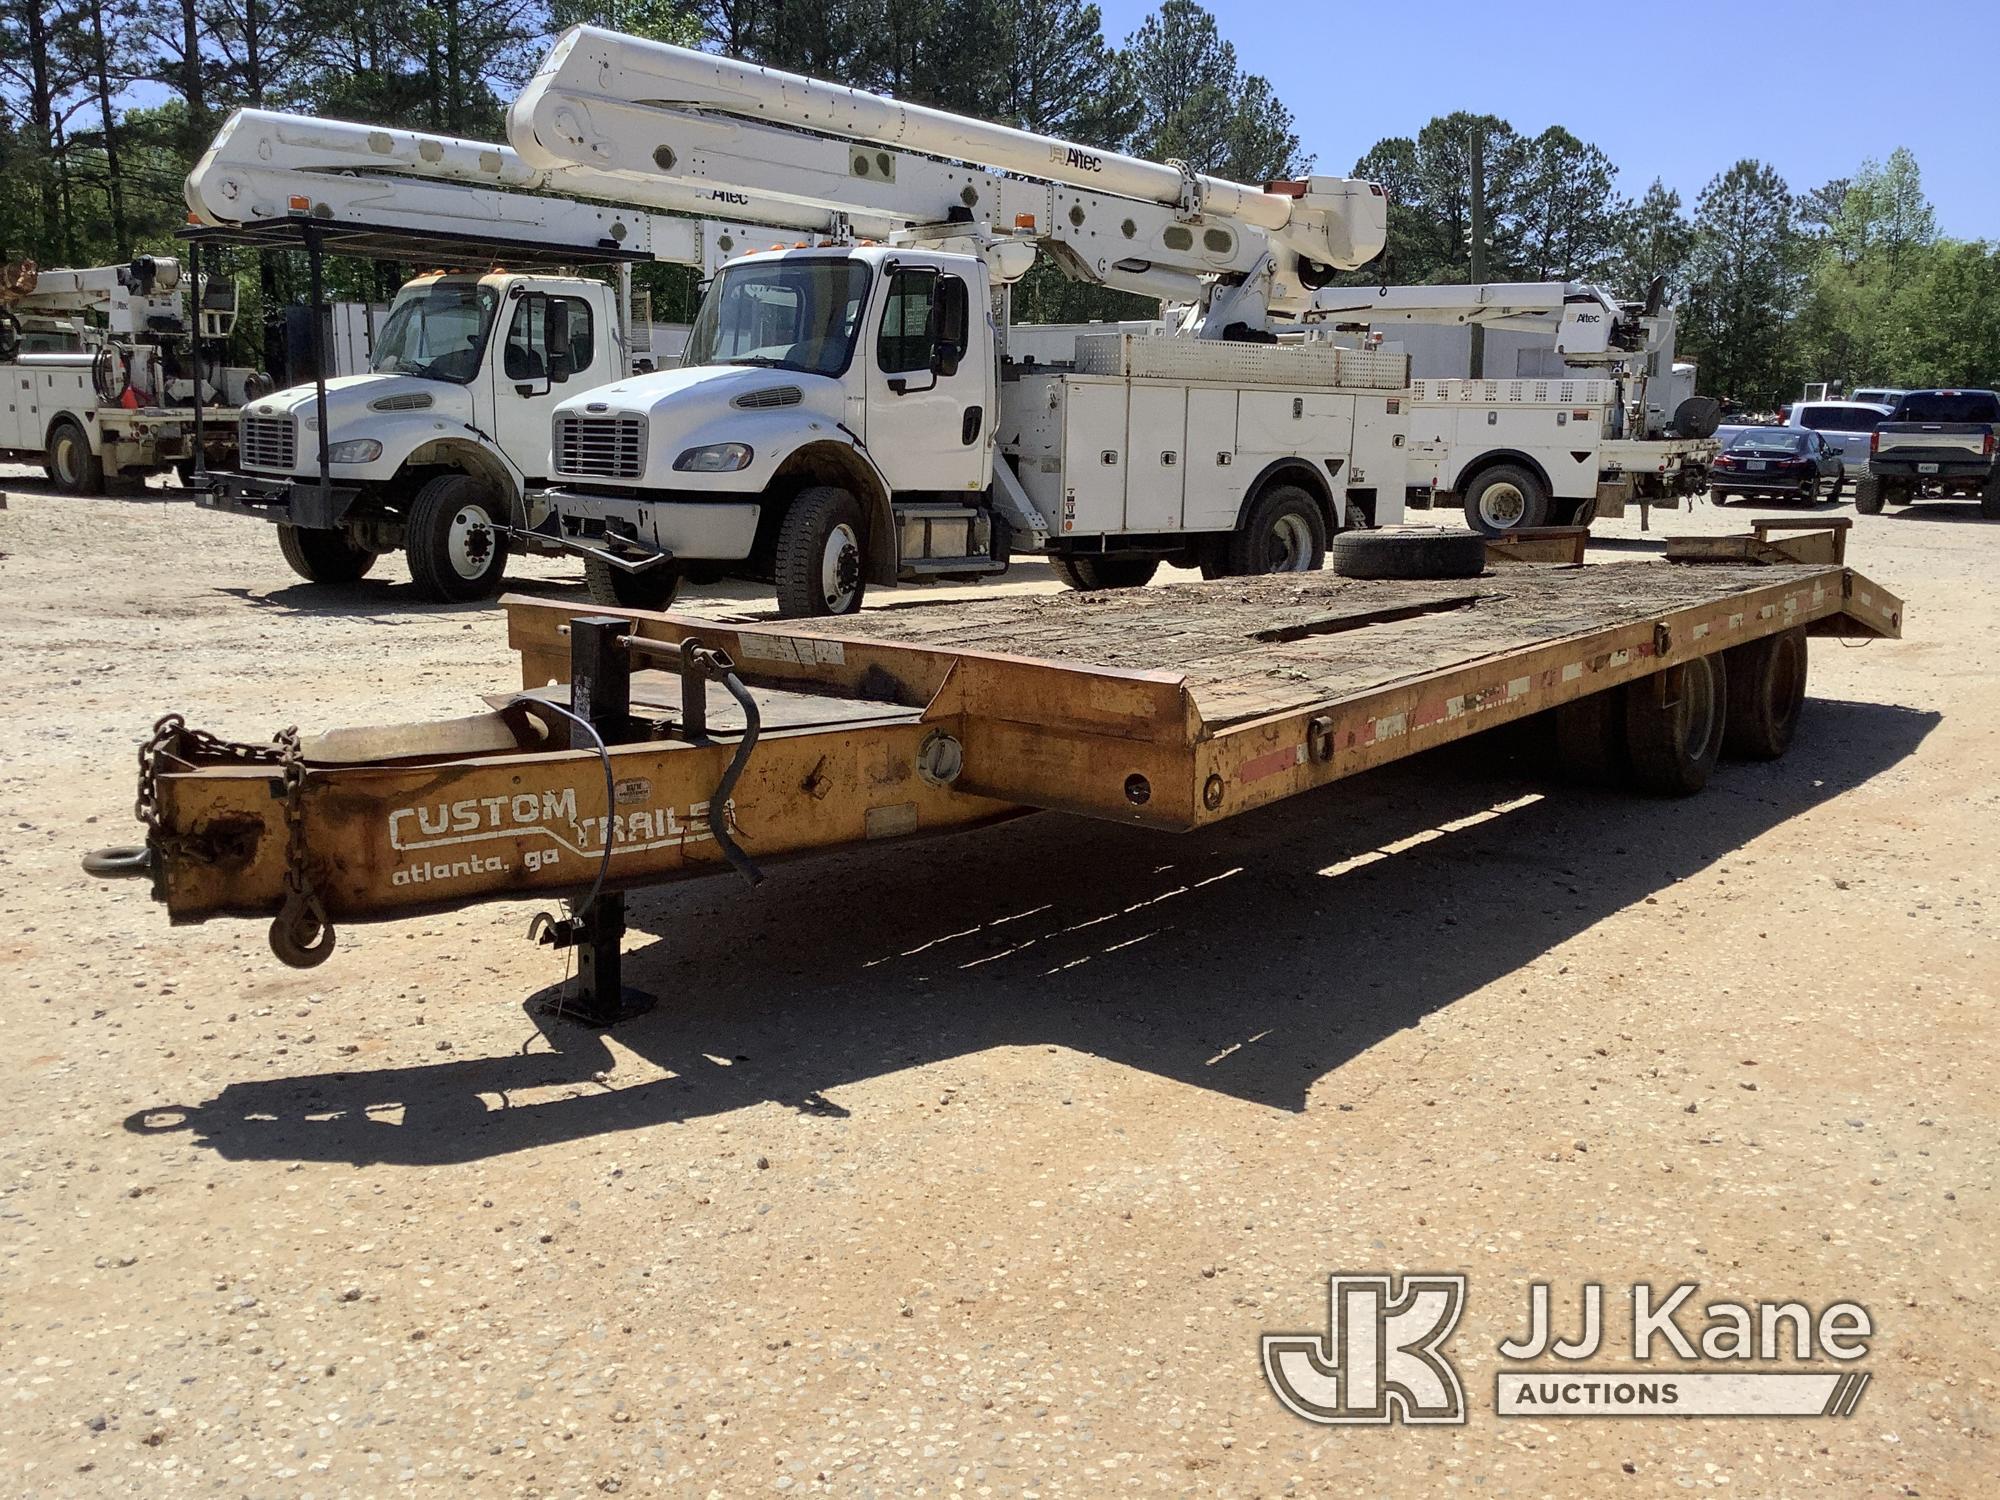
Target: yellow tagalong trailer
{"x": 645, "y": 747}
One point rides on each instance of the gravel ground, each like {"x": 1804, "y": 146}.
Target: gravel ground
{"x": 978, "y": 1166}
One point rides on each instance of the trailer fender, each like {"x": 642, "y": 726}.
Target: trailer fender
{"x": 1495, "y": 456}
{"x": 849, "y": 468}
{"x": 1303, "y": 472}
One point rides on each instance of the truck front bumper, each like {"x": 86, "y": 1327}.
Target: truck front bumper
{"x": 271, "y": 497}
{"x": 719, "y": 530}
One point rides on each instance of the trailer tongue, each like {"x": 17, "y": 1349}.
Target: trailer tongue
{"x": 1172, "y": 707}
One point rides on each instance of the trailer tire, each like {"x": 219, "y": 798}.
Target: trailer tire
{"x": 821, "y": 568}
{"x": 1089, "y": 575}
{"x": 1590, "y": 739}
{"x": 1285, "y": 532}
{"x": 1407, "y": 554}
{"x": 323, "y": 556}
{"x": 71, "y": 464}
{"x": 1504, "y": 499}
{"x": 1868, "y": 495}
{"x": 615, "y": 588}
{"x": 1767, "y": 690}
{"x": 457, "y": 541}
{"x": 1671, "y": 747}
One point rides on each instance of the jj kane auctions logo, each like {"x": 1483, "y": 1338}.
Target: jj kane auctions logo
{"x": 1382, "y": 1358}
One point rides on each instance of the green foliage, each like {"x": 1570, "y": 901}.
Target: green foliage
{"x": 104, "y": 106}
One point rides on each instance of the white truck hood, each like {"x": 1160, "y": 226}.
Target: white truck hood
{"x": 700, "y": 391}
{"x": 361, "y": 398}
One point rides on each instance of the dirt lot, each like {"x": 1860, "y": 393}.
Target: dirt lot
{"x": 979, "y": 1166}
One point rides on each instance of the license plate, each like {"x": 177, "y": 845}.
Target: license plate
{"x": 1754, "y": 465}
{"x": 1927, "y": 468}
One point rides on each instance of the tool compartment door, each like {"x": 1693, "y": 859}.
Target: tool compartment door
{"x": 1213, "y": 488}
{"x": 1294, "y": 424}
{"x": 1156, "y": 437}
{"x": 1381, "y": 458}
{"x": 1094, "y": 456}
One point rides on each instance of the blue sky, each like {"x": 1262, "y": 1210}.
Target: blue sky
{"x": 1813, "y": 88}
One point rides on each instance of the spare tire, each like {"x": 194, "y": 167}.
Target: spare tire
{"x": 1697, "y": 417}
{"x": 1407, "y": 554}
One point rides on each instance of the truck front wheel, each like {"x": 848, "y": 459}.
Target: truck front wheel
{"x": 323, "y": 556}
{"x": 1089, "y": 574}
{"x": 653, "y": 588}
{"x": 71, "y": 464}
{"x": 821, "y": 565}
{"x": 1506, "y": 498}
{"x": 457, "y": 543}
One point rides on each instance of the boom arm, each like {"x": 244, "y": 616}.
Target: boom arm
{"x": 264, "y": 165}
{"x": 661, "y": 119}
{"x": 1588, "y": 325}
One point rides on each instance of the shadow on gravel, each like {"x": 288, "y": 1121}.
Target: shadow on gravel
{"x": 1253, "y": 958}
{"x": 1939, "y": 510}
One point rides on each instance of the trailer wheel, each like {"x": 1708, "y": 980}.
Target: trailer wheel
{"x": 1767, "y": 690}
{"x": 821, "y": 569}
{"x": 71, "y": 464}
{"x": 323, "y": 556}
{"x": 653, "y": 589}
{"x": 1671, "y": 746}
{"x": 1087, "y": 575}
{"x": 1407, "y": 554}
{"x": 1506, "y": 498}
{"x": 457, "y": 543}
{"x": 1590, "y": 739}
{"x": 1868, "y": 495}
{"x": 1284, "y": 533}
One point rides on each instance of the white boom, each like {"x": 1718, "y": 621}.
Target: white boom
{"x": 662, "y": 119}
{"x": 1589, "y": 326}
{"x": 264, "y": 166}
{"x": 136, "y": 298}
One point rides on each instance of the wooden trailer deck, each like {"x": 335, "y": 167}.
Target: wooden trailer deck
{"x": 1171, "y": 706}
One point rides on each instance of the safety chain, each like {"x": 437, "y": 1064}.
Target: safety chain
{"x": 301, "y": 934}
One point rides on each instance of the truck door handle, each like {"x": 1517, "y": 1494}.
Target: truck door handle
{"x": 975, "y": 418}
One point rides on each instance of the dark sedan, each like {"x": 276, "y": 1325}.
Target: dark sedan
{"x": 1777, "y": 461}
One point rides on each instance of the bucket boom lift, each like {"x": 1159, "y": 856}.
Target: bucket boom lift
{"x": 438, "y": 450}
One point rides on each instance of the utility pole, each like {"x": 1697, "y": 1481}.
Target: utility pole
{"x": 1476, "y": 164}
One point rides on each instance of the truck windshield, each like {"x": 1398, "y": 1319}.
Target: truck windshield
{"x": 794, "y": 314}
{"x": 438, "y": 331}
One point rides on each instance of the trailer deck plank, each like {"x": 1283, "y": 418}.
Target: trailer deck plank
{"x": 1348, "y": 636}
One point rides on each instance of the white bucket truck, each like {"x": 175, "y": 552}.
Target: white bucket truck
{"x": 849, "y": 416}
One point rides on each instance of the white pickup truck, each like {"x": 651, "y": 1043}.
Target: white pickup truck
{"x": 1935, "y": 444}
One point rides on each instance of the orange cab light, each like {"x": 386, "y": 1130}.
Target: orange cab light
{"x": 1025, "y": 221}
{"x": 300, "y": 203}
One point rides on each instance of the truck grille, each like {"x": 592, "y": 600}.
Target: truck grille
{"x": 268, "y": 443}
{"x": 601, "y": 447}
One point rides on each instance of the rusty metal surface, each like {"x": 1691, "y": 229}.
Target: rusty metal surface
{"x": 1274, "y": 698}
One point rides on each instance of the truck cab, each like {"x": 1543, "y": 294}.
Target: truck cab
{"x": 438, "y": 447}
{"x": 831, "y": 425}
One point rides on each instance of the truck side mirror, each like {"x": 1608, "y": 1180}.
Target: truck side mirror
{"x": 555, "y": 337}
{"x": 944, "y": 359}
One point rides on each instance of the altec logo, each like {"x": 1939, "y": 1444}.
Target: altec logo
{"x": 1075, "y": 157}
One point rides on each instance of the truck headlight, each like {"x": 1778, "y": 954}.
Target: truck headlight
{"x": 354, "y": 451}
{"x": 714, "y": 458}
